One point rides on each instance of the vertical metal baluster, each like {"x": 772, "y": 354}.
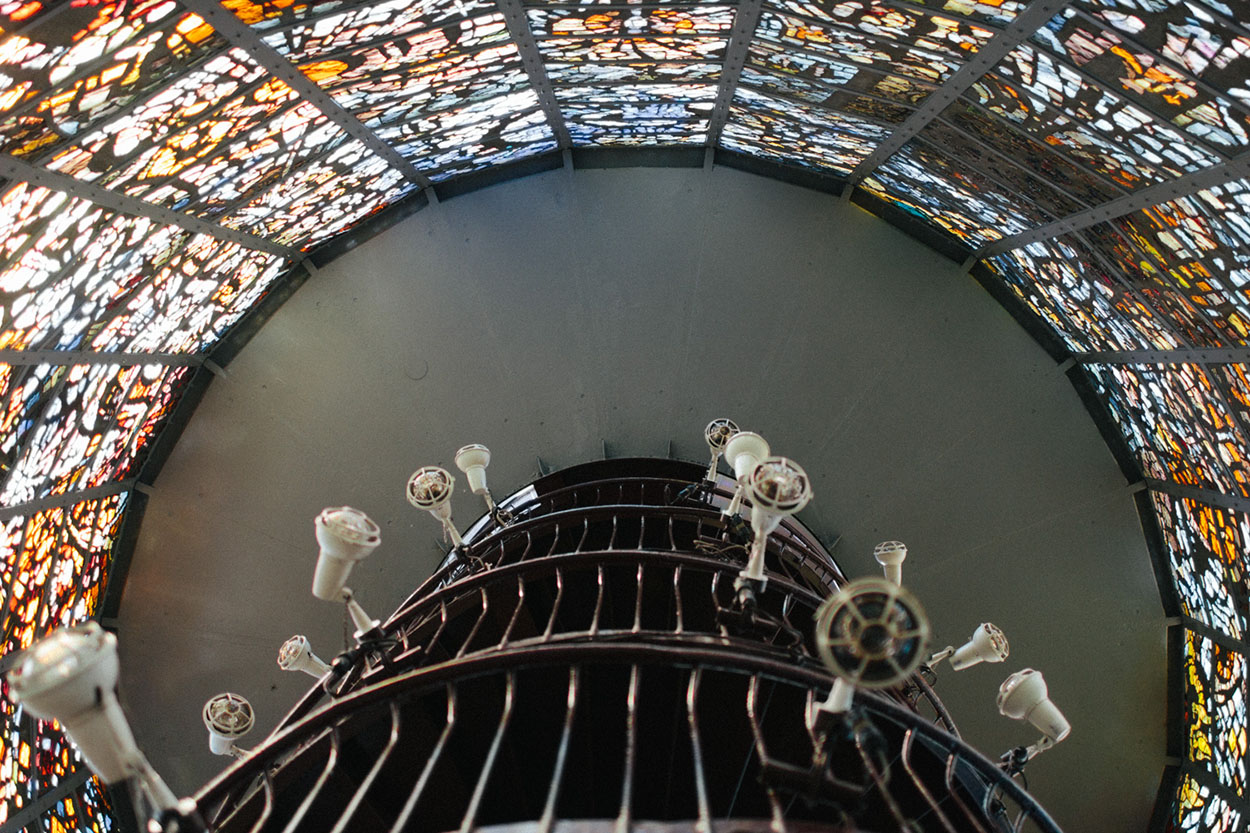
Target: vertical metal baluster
{"x": 612, "y": 540}
{"x": 761, "y": 749}
{"x": 470, "y": 814}
{"x": 581, "y": 542}
{"x": 555, "y": 539}
{"x": 442, "y": 626}
{"x": 642, "y": 531}
{"x": 267, "y": 810}
{"x": 624, "y": 818}
{"x": 677, "y": 598}
{"x": 951, "y": 760}
{"x": 672, "y": 535}
{"x": 520, "y": 602}
{"x": 464, "y": 646}
{"x": 878, "y": 779}
{"x": 555, "y": 605}
{"x": 908, "y": 743}
{"x": 638, "y": 600}
{"x": 331, "y": 760}
{"x": 529, "y": 544}
{"x": 367, "y": 782}
{"x": 704, "y": 825}
{"x": 557, "y": 775}
{"x": 430, "y": 763}
{"x": 594, "y": 625}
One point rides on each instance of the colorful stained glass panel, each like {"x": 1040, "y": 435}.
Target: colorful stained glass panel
{"x": 1209, "y": 552}
{"x": 1177, "y": 423}
{"x": 1215, "y": 702}
{"x": 1197, "y": 810}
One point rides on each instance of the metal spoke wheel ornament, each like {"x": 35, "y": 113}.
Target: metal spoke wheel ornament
{"x": 872, "y": 633}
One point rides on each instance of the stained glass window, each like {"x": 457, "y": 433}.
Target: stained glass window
{"x": 1215, "y": 702}
{"x": 16, "y": 756}
{"x": 1198, "y": 811}
{"x": 923, "y": 182}
{"x": 1064, "y": 285}
{"x": 1209, "y": 551}
{"x": 1178, "y": 423}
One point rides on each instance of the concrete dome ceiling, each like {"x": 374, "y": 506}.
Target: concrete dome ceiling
{"x": 174, "y": 170}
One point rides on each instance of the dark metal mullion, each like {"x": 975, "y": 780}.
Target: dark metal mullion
{"x": 630, "y": 37}
{"x": 240, "y": 34}
{"x": 1121, "y": 96}
{"x": 1200, "y": 494}
{"x": 1147, "y": 197}
{"x": 1025, "y": 24}
{"x": 108, "y": 198}
{"x": 742, "y": 35}
{"x": 532, "y": 62}
{"x": 1197, "y": 355}
{"x": 66, "y": 498}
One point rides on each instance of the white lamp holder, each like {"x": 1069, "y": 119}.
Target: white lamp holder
{"x": 778, "y": 488}
{"x": 717, "y": 434}
{"x": 296, "y": 654}
{"x": 890, "y": 555}
{"x": 345, "y": 536}
{"x": 987, "y": 644}
{"x": 743, "y": 450}
{"x": 1024, "y": 696}
{"x": 71, "y": 676}
{"x": 228, "y": 717}
{"x": 430, "y": 489}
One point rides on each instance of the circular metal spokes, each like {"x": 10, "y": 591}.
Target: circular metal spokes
{"x": 872, "y": 633}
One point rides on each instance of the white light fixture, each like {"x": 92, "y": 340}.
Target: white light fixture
{"x": 778, "y": 487}
{"x": 872, "y": 633}
{"x": 1024, "y": 696}
{"x": 71, "y": 677}
{"x": 717, "y": 434}
{"x": 345, "y": 536}
{"x": 296, "y": 654}
{"x": 430, "y": 489}
{"x": 473, "y": 460}
{"x": 988, "y": 644}
{"x": 742, "y": 452}
{"x": 890, "y": 555}
{"x": 227, "y": 717}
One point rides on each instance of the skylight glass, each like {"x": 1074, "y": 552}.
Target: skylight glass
{"x": 1215, "y": 697}
{"x": 1178, "y": 423}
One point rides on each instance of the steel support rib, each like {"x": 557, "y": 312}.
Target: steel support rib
{"x": 1200, "y": 494}
{"x": 13, "y": 168}
{"x": 532, "y": 61}
{"x": 746, "y": 20}
{"x": 66, "y": 499}
{"x": 241, "y": 35}
{"x": 1209, "y": 355}
{"x": 1184, "y": 186}
{"x": 29, "y": 357}
{"x": 1025, "y": 24}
